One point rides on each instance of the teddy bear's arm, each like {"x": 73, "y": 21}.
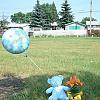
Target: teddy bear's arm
{"x": 66, "y": 88}
{"x": 49, "y": 90}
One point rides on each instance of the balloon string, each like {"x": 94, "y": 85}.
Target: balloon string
{"x": 35, "y": 64}
{"x": 32, "y": 61}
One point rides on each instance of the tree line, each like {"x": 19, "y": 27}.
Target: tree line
{"x": 43, "y": 15}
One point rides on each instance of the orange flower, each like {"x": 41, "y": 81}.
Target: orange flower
{"x": 74, "y": 81}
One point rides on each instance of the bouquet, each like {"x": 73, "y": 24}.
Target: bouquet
{"x": 75, "y": 92}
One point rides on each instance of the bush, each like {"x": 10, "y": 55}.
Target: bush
{"x": 94, "y": 33}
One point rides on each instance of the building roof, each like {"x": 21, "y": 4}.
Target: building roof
{"x": 17, "y": 25}
{"x": 93, "y": 22}
{"x": 75, "y": 23}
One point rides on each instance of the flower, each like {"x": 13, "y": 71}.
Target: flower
{"x": 74, "y": 81}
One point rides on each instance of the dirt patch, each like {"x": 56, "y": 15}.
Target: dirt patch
{"x": 10, "y": 85}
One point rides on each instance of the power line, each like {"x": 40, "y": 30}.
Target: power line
{"x": 87, "y": 11}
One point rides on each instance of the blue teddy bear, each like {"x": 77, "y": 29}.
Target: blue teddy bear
{"x": 57, "y": 90}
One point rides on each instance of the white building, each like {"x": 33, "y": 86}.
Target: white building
{"x": 95, "y": 25}
{"x": 75, "y": 26}
{"x": 25, "y": 26}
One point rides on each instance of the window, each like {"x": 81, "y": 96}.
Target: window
{"x": 75, "y": 27}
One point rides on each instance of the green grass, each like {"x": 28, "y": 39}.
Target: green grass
{"x": 61, "y": 55}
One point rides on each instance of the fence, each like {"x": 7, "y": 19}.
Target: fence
{"x": 60, "y": 33}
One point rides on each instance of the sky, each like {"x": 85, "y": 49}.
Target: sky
{"x": 9, "y": 7}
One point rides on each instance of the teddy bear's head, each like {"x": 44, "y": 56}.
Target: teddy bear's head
{"x": 56, "y": 80}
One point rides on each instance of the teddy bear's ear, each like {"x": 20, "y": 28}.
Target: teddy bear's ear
{"x": 49, "y": 81}
{"x": 61, "y": 77}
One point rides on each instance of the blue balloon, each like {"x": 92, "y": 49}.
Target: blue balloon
{"x": 15, "y": 40}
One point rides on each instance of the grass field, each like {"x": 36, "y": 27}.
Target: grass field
{"x": 21, "y": 79}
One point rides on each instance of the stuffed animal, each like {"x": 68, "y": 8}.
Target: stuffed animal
{"x": 57, "y": 90}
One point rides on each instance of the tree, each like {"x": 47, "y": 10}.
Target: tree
{"x": 45, "y": 22}
{"x": 66, "y": 15}
{"x": 21, "y": 17}
{"x": 18, "y": 17}
{"x": 40, "y": 17}
{"x": 46, "y": 8}
{"x": 54, "y": 15}
{"x": 51, "y": 12}
{"x": 36, "y": 20}
{"x": 87, "y": 19}
{"x": 28, "y": 17}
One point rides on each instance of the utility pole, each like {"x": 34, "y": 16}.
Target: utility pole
{"x": 90, "y": 14}
{"x": 3, "y": 16}
{"x": 3, "y": 22}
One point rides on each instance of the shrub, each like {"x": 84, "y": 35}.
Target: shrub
{"x": 94, "y": 33}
